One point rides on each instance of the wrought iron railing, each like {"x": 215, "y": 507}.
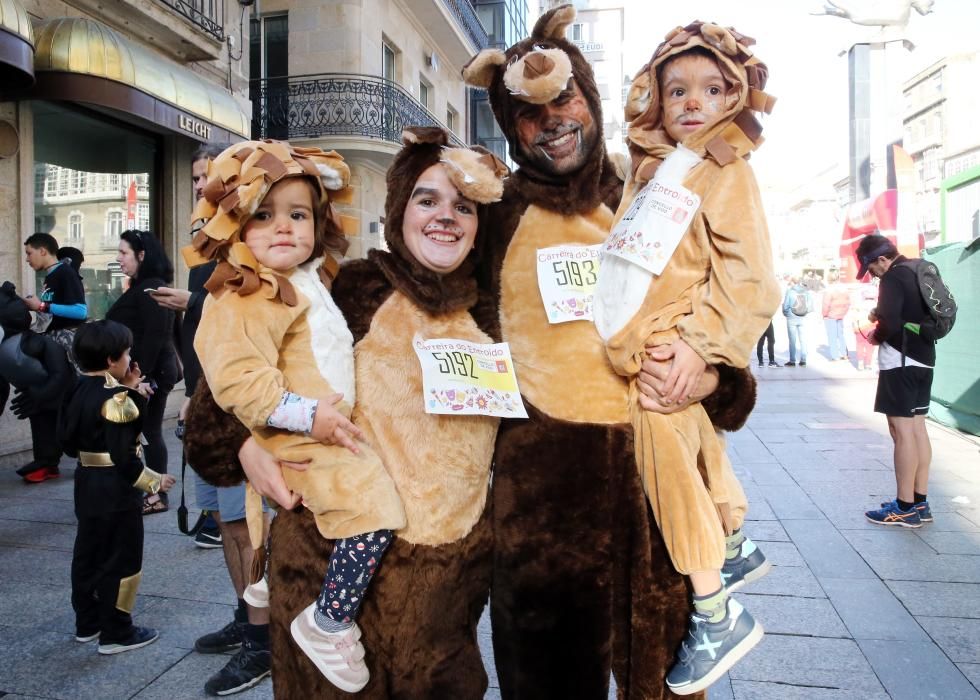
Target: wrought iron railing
{"x": 463, "y": 11}
{"x": 208, "y": 15}
{"x": 334, "y": 104}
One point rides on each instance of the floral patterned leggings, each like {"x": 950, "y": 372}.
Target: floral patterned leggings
{"x": 352, "y": 564}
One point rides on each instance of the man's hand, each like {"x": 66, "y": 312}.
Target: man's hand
{"x": 331, "y": 427}
{"x": 686, "y": 369}
{"x": 33, "y": 303}
{"x": 166, "y": 482}
{"x": 653, "y": 376}
{"x": 182, "y": 413}
{"x": 264, "y": 473}
{"x": 172, "y": 298}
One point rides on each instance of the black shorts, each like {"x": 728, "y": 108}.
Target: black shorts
{"x": 904, "y": 391}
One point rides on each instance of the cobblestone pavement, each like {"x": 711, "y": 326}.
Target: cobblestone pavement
{"x": 852, "y": 610}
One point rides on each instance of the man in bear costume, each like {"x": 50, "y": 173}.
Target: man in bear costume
{"x": 420, "y": 615}
{"x": 581, "y": 580}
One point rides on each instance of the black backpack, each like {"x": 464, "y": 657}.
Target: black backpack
{"x": 801, "y": 304}
{"x": 937, "y": 298}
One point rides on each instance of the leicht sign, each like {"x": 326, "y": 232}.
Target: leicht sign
{"x": 194, "y": 126}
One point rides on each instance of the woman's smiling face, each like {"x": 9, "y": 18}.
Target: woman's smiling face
{"x": 440, "y": 224}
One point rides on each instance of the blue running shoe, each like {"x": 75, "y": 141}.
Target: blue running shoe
{"x": 749, "y": 565}
{"x": 891, "y": 514}
{"x": 711, "y": 648}
{"x": 925, "y": 512}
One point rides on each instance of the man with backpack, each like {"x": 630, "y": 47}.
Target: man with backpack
{"x": 906, "y": 333}
{"x": 797, "y": 303}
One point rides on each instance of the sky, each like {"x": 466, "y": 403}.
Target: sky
{"x": 807, "y": 132}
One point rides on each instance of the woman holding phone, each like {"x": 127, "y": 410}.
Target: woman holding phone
{"x": 143, "y": 261}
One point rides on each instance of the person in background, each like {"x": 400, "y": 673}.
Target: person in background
{"x": 62, "y": 304}
{"x": 836, "y": 302}
{"x": 769, "y": 338}
{"x": 862, "y": 326}
{"x": 248, "y": 632}
{"x": 142, "y": 259}
{"x": 797, "y": 303}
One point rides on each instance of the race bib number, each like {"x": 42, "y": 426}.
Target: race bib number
{"x": 649, "y": 232}
{"x": 460, "y": 377}
{"x": 567, "y": 276}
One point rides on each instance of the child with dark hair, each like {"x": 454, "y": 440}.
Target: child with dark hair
{"x": 100, "y": 425}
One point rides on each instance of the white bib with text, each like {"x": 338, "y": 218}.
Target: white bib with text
{"x": 567, "y": 276}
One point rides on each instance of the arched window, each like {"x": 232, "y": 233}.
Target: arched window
{"x": 113, "y": 227}
{"x": 75, "y": 226}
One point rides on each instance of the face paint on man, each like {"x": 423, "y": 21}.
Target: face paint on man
{"x": 559, "y": 136}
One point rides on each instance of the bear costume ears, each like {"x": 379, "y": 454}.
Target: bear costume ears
{"x": 538, "y": 76}
{"x": 476, "y": 172}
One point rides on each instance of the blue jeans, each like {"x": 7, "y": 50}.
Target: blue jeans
{"x": 797, "y": 334}
{"x": 836, "y": 345}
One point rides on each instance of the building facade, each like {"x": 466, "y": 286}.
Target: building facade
{"x": 350, "y": 76}
{"x": 941, "y": 107}
{"x": 99, "y": 113}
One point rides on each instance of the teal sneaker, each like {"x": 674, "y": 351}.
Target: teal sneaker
{"x": 891, "y": 514}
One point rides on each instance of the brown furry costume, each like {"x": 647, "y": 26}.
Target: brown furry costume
{"x": 419, "y": 618}
{"x": 581, "y": 582}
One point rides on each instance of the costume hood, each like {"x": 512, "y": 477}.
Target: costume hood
{"x": 237, "y": 181}
{"x": 476, "y": 173}
{"x": 736, "y": 134}
{"x": 537, "y": 70}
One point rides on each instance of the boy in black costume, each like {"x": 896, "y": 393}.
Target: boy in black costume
{"x": 100, "y": 424}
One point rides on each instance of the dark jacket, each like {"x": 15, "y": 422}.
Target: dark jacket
{"x": 900, "y": 302}
{"x": 152, "y": 327}
{"x": 192, "y": 318}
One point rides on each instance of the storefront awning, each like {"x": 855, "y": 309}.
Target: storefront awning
{"x": 83, "y": 60}
{"x": 16, "y": 47}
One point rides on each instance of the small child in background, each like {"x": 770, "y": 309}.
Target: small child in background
{"x": 688, "y": 268}
{"x": 100, "y": 424}
{"x": 277, "y": 353}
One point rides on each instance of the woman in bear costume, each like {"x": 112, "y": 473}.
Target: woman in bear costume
{"x": 420, "y": 615}
{"x": 581, "y": 580}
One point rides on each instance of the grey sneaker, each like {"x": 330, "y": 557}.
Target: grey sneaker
{"x": 750, "y": 565}
{"x": 139, "y": 638}
{"x": 711, "y": 648}
{"x": 923, "y": 509}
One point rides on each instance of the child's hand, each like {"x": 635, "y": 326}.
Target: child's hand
{"x": 331, "y": 427}
{"x": 685, "y": 373}
{"x": 133, "y": 375}
{"x": 166, "y": 482}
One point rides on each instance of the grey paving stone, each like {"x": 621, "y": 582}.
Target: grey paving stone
{"x": 950, "y": 542}
{"x": 787, "y": 581}
{"x": 80, "y": 672}
{"x": 916, "y": 670}
{"x": 783, "y": 554}
{"x": 20, "y": 533}
{"x": 35, "y": 510}
{"x": 770, "y": 474}
{"x": 753, "y": 690}
{"x": 790, "y": 501}
{"x": 959, "y": 638}
{"x": 759, "y": 509}
{"x": 825, "y": 550}
{"x": 813, "y": 617}
{"x": 870, "y": 611}
{"x": 721, "y": 689}
{"x": 808, "y": 662}
{"x": 916, "y": 561}
{"x": 34, "y": 565}
{"x": 183, "y": 621}
{"x": 937, "y": 599}
{"x": 972, "y": 673}
{"x": 38, "y": 606}
{"x": 765, "y": 531}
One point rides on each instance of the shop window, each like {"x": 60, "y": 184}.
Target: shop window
{"x": 84, "y": 165}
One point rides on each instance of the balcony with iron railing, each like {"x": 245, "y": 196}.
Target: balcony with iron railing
{"x": 206, "y": 15}
{"x": 335, "y": 104}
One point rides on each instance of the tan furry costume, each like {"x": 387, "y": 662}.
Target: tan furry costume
{"x": 582, "y": 582}
{"x": 718, "y": 291}
{"x": 264, "y": 333}
{"x": 420, "y": 619}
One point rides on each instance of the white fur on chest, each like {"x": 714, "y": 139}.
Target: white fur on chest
{"x": 333, "y": 344}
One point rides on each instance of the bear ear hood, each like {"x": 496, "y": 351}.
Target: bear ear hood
{"x": 738, "y": 131}
{"x": 476, "y": 173}
{"x": 536, "y": 70}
